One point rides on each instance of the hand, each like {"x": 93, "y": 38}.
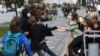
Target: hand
{"x": 26, "y": 33}
{"x": 61, "y": 30}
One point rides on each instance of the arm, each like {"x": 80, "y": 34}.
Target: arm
{"x": 26, "y": 43}
{"x": 52, "y": 28}
{"x": 67, "y": 28}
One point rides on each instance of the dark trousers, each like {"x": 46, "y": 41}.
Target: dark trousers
{"x": 75, "y": 45}
{"x": 45, "y": 48}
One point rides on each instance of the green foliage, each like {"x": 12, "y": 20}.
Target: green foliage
{"x": 3, "y": 30}
{"x": 38, "y": 1}
{"x": 18, "y": 2}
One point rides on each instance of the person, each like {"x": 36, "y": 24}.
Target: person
{"x": 77, "y": 43}
{"x": 72, "y": 27}
{"x": 80, "y": 23}
{"x": 96, "y": 25}
{"x": 37, "y": 33}
{"x": 22, "y": 39}
{"x": 35, "y": 10}
{"x": 92, "y": 13}
{"x": 26, "y": 13}
{"x": 94, "y": 18}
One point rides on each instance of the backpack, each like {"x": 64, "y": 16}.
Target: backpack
{"x": 11, "y": 44}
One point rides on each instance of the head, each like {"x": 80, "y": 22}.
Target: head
{"x": 26, "y": 12}
{"x": 72, "y": 16}
{"x": 32, "y": 20}
{"x": 87, "y": 23}
{"x": 96, "y": 25}
{"x": 14, "y": 25}
{"x": 81, "y": 19}
{"x": 94, "y": 18}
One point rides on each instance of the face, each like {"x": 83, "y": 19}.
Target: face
{"x": 95, "y": 26}
{"x": 69, "y": 17}
{"x": 84, "y": 23}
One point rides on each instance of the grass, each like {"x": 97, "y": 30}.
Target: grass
{"x": 3, "y": 30}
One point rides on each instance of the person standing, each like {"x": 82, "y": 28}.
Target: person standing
{"x": 38, "y": 32}
{"x": 72, "y": 27}
{"x": 12, "y": 41}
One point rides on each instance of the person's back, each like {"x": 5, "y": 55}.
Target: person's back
{"x": 14, "y": 39}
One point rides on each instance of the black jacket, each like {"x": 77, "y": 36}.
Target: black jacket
{"x": 38, "y": 33}
{"x": 24, "y": 19}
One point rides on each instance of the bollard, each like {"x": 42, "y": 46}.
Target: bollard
{"x": 93, "y": 49}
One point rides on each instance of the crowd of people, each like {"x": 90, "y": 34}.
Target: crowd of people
{"x": 27, "y": 31}
{"x": 77, "y": 25}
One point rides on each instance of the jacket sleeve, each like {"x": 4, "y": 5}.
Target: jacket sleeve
{"x": 4, "y": 38}
{"x": 70, "y": 27}
{"x": 26, "y": 43}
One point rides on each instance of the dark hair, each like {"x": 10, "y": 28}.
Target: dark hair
{"x": 32, "y": 20}
{"x": 97, "y": 23}
{"x": 89, "y": 23}
{"x": 14, "y": 25}
{"x": 74, "y": 15}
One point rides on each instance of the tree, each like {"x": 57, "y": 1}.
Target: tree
{"x": 19, "y": 3}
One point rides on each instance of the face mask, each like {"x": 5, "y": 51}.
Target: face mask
{"x": 28, "y": 14}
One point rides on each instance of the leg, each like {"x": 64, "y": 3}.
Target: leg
{"x": 40, "y": 53}
{"x": 75, "y": 45}
{"x": 68, "y": 41}
{"x": 45, "y": 48}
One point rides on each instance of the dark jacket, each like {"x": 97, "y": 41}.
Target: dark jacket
{"x": 38, "y": 33}
{"x": 24, "y": 19}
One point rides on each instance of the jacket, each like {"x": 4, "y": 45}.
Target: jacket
{"x": 72, "y": 27}
{"x": 22, "y": 40}
{"x": 24, "y": 19}
{"x": 38, "y": 33}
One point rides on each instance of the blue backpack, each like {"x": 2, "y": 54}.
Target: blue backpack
{"x": 11, "y": 44}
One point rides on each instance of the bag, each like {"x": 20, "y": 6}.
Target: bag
{"x": 11, "y": 45}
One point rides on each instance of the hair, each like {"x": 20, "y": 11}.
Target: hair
{"x": 80, "y": 19}
{"x": 97, "y": 23}
{"x": 94, "y": 17}
{"x": 74, "y": 15}
{"x": 14, "y": 25}
{"x": 89, "y": 23}
{"x": 32, "y": 20}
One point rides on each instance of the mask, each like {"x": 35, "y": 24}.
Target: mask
{"x": 28, "y": 14}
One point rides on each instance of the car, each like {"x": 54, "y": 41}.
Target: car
{"x": 3, "y": 9}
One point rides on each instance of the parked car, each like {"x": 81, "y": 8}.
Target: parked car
{"x": 3, "y": 9}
